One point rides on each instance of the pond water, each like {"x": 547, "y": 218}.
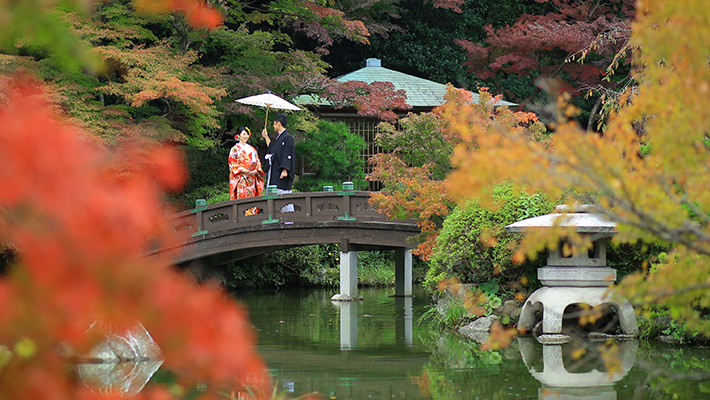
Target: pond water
{"x": 378, "y": 349}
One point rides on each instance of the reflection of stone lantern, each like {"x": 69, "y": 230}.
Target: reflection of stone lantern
{"x": 580, "y": 278}
{"x": 121, "y": 364}
{"x": 560, "y": 380}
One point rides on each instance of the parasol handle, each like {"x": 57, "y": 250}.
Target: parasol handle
{"x": 266, "y": 120}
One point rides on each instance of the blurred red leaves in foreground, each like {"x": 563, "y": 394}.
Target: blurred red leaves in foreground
{"x": 81, "y": 217}
{"x": 197, "y": 12}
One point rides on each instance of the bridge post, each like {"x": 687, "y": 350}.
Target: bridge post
{"x": 403, "y": 272}
{"x": 348, "y": 277}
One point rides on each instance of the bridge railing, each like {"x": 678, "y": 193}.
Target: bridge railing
{"x": 274, "y": 209}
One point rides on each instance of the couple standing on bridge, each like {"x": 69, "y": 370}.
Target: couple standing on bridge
{"x": 245, "y": 171}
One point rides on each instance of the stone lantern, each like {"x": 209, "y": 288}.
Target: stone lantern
{"x": 581, "y": 278}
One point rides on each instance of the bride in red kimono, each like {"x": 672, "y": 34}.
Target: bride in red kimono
{"x": 245, "y": 174}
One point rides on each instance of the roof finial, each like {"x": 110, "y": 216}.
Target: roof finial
{"x": 373, "y": 62}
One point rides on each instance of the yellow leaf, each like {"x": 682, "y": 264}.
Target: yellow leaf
{"x": 579, "y": 353}
{"x": 26, "y": 348}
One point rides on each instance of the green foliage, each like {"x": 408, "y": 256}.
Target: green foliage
{"x": 455, "y": 308}
{"x": 201, "y": 128}
{"x": 492, "y": 301}
{"x": 375, "y": 268}
{"x": 136, "y": 75}
{"x": 473, "y": 246}
{"x": 516, "y": 87}
{"x": 120, "y": 16}
{"x": 208, "y": 177}
{"x": 659, "y": 322}
{"x": 677, "y": 331}
{"x": 420, "y": 140}
{"x": 333, "y": 154}
{"x": 306, "y": 266}
{"x": 241, "y": 51}
{"x": 30, "y": 28}
{"x": 425, "y": 46}
{"x": 140, "y": 113}
{"x": 452, "y": 314}
{"x": 628, "y": 258}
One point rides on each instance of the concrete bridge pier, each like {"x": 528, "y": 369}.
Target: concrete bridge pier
{"x": 403, "y": 273}
{"x": 348, "y": 277}
{"x": 348, "y": 274}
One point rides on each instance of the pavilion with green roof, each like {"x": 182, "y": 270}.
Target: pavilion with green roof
{"x": 422, "y": 95}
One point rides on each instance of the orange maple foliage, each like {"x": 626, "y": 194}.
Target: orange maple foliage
{"x": 416, "y": 189}
{"x": 151, "y": 75}
{"x": 499, "y": 337}
{"x": 81, "y": 218}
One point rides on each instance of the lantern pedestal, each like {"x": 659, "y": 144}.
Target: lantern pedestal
{"x": 552, "y": 301}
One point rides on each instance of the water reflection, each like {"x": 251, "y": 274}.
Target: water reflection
{"x": 349, "y": 315}
{"x": 121, "y": 363}
{"x": 361, "y": 350}
{"x": 124, "y": 378}
{"x": 378, "y": 357}
{"x": 578, "y": 370}
{"x": 348, "y": 323}
{"x": 403, "y": 305}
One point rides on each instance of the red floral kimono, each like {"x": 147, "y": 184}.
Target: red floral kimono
{"x": 243, "y": 159}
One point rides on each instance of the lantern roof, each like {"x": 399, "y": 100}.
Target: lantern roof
{"x": 581, "y": 217}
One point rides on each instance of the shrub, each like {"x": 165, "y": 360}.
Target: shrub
{"x": 474, "y": 247}
{"x": 332, "y": 154}
{"x": 208, "y": 177}
{"x": 659, "y": 321}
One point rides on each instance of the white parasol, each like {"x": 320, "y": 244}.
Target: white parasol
{"x": 268, "y": 100}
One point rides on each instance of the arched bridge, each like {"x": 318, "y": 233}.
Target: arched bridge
{"x": 233, "y": 230}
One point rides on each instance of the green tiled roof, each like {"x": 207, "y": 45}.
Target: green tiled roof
{"x": 420, "y": 92}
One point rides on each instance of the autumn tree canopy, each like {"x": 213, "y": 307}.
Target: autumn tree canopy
{"x": 417, "y": 156}
{"x": 124, "y": 69}
{"x": 516, "y": 48}
{"x": 567, "y": 27}
{"x": 648, "y": 171}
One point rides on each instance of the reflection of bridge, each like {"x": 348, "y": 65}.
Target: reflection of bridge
{"x": 349, "y": 323}
{"x": 233, "y": 230}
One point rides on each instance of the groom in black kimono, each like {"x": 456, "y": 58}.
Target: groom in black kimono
{"x": 281, "y": 158}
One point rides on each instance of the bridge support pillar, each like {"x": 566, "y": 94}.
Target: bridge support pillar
{"x": 403, "y": 273}
{"x": 348, "y": 277}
